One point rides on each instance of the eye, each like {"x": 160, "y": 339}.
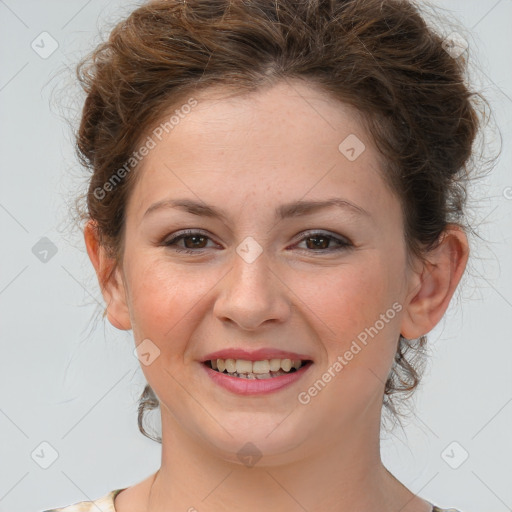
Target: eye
{"x": 320, "y": 242}
{"x": 194, "y": 241}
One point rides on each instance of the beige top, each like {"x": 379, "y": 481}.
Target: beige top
{"x": 106, "y": 504}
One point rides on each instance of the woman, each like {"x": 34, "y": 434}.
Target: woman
{"x": 276, "y": 209}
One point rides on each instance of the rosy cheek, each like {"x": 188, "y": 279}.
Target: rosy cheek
{"x": 168, "y": 303}
{"x": 152, "y": 294}
{"x": 357, "y": 301}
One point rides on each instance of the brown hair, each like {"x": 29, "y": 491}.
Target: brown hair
{"x": 379, "y": 56}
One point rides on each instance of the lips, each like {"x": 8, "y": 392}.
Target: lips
{"x": 256, "y": 355}
{"x": 246, "y": 386}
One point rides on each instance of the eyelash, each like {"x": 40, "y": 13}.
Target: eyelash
{"x": 343, "y": 244}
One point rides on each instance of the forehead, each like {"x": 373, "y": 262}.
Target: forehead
{"x": 282, "y": 142}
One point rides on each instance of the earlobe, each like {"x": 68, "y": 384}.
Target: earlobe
{"x": 109, "y": 278}
{"x": 430, "y": 295}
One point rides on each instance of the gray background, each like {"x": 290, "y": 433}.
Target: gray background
{"x": 74, "y": 384}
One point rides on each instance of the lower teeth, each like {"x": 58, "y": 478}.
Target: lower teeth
{"x": 269, "y": 375}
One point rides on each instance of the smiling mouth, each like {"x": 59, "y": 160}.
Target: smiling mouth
{"x": 267, "y": 369}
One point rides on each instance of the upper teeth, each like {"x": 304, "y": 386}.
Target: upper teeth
{"x": 259, "y": 367}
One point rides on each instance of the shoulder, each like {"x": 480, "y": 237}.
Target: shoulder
{"x": 103, "y": 504}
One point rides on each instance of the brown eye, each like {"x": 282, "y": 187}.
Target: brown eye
{"x": 319, "y": 242}
{"x": 322, "y": 242}
{"x": 193, "y": 242}
{"x": 196, "y": 242}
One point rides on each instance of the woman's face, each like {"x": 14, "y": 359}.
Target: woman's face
{"x": 263, "y": 274}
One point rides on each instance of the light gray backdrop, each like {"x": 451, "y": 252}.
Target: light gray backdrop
{"x": 69, "y": 387}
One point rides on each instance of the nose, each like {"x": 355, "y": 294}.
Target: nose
{"x": 252, "y": 295}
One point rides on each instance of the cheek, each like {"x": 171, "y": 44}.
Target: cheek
{"x": 358, "y": 326}
{"x": 351, "y": 296}
{"x": 347, "y": 305}
{"x": 167, "y": 301}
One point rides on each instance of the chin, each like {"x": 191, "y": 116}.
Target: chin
{"x": 262, "y": 444}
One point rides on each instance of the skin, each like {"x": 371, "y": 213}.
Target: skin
{"x": 248, "y": 155}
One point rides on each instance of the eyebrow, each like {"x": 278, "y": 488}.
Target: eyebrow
{"x": 293, "y": 209}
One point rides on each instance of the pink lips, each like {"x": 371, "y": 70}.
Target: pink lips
{"x": 243, "y": 386}
{"x": 255, "y": 386}
{"x": 255, "y": 355}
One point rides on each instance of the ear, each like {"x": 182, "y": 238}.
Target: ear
{"x": 432, "y": 289}
{"x": 109, "y": 277}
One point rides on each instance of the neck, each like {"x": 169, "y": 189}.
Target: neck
{"x": 345, "y": 475}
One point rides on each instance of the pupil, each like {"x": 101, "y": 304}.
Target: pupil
{"x": 195, "y": 238}
{"x": 323, "y": 242}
